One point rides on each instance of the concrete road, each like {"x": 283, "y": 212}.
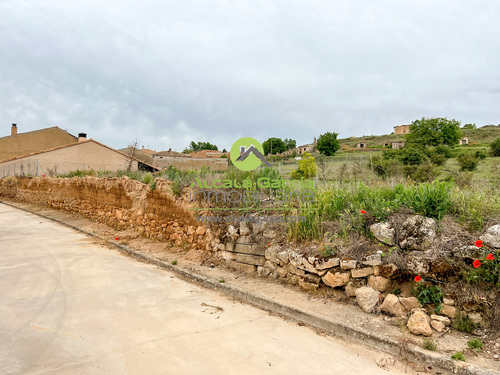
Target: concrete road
{"x": 70, "y": 306}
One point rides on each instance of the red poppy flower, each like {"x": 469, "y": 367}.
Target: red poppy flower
{"x": 116, "y": 238}
{"x": 418, "y": 279}
{"x": 363, "y": 211}
{"x": 479, "y": 243}
{"x": 268, "y": 244}
{"x": 43, "y": 175}
{"x": 476, "y": 263}
{"x": 490, "y": 257}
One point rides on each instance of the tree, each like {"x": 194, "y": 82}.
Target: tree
{"x": 290, "y": 143}
{"x": 132, "y": 151}
{"x": 274, "y": 146}
{"x": 469, "y": 126}
{"x": 193, "y": 146}
{"x": 434, "y": 132}
{"x": 495, "y": 147}
{"x": 328, "y": 144}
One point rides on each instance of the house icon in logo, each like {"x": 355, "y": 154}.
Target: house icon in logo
{"x": 252, "y": 150}
{"x": 247, "y": 154}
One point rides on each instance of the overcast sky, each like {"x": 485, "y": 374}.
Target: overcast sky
{"x": 168, "y": 72}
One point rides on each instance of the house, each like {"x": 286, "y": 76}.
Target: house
{"x": 464, "y": 141}
{"x": 402, "y": 129}
{"x": 362, "y": 144}
{"x": 207, "y": 154}
{"x": 186, "y": 162}
{"x": 310, "y": 148}
{"x": 86, "y": 154}
{"x": 396, "y": 145}
{"x": 18, "y": 144}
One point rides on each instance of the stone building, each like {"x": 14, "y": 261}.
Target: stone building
{"x": 18, "y": 144}
{"x": 362, "y": 144}
{"x": 402, "y": 129}
{"x": 186, "y": 162}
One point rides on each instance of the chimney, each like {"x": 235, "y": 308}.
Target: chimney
{"x": 82, "y": 137}
{"x": 13, "y": 129}
{"x": 314, "y": 140}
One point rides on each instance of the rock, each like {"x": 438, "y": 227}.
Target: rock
{"x": 416, "y": 264}
{"x": 437, "y": 325}
{"x": 200, "y": 231}
{"x": 310, "y": 278}
{"x": 310, "y": 287}
{"x": 384, "y": 232}
{"x": 392, "y": 306}
{"x": 336, "y": 279}
{"x": 379, "y": 283}
{"x": 419, "y": 323}
{"x": 284, "y": 257}
{"x": 367, "y": 298}
{"x": 410, "y": 303}
{"x": 388, "y": 270}
{"x": 443, "y": 319}
{"x": 417, "y": 233}
{"x": 306, "y": 266}
{"x": 258, "y": 227}
{"x": 373, "y": 260}
{"x": 449, "y": 311}
{"x": 294, "y": 270}
{"x": 282, "y": 272}
{"x": 232, "y": 231}
{"x": 272, "y": 253}
{"x": 269, "y": 233}
{"x": 244, "y": 230}
{"x": 361, "y": 272}
{"x": 347, "y": 264}
{"x": 448, "y": 301}
{"x": 469, "y": 252}
{"x": 330, "y": 263}
{"x": 263, "y": 271}
{"x": 492, "y": 236}
{"x": 295, "y": 259}
{"x": 476, "y": 317}
{"x": 272, "y": 266}
{"x": 354, "y": 285}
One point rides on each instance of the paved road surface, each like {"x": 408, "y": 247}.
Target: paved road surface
{"x": 70, "y": 306}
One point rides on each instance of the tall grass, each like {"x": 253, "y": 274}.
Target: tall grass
{"x": 346, "y": 203}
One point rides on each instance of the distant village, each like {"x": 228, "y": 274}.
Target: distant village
{"x": 53, "y": 151}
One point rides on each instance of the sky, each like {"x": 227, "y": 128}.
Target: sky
{"x": 166, "y": 73}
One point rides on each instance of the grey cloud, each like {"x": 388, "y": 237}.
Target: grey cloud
{"x": 168, "y": 72}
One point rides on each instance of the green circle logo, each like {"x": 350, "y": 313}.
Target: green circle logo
{"x": 247, "y": 154}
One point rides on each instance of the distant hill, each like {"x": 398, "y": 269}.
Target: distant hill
{"x": 482, "y": 136}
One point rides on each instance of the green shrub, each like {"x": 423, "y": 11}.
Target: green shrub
{"x": 411, "y": 155}
{"x": 429, "y": 199}
{"x": 386, "y": 167}
{"x": 459, "y": 356}
{"x": 488, "y": 272}
{"x": 468, "y": 162}
{"x": 495, "y": 147}
{"x": 463, "y": 324}
{"x": 475, "y": 344}
{"x": 307, "y": 167}
{"x": 438, "y": 159}
{"x": 147, "y": 178}
{"x": 430, "y": 295}
{"x": 429, "y": 344}
{"x": 480, "y": 154}
{"x": 425, "y": 172}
